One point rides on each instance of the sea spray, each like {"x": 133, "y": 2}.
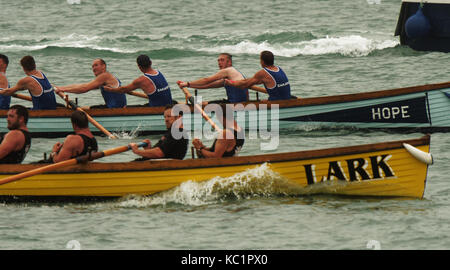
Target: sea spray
{"x": 257, "y": 182}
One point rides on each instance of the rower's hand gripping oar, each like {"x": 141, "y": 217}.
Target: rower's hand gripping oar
{"x": 73, "y": 161}
{"x": 95, "y": 123}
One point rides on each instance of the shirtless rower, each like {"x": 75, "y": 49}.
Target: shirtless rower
{"x": 226, "y": 71}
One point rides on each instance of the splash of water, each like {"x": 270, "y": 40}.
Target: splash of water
{"x": 260, "y": 181}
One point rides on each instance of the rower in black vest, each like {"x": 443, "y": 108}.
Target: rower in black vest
{"x": 229, "y": 140}
{"x": 77, "y": 144}
{"x": 237, "y": 147}
{"x": 15, "y": 144}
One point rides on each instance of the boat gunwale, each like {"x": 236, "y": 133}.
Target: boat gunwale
{"x": 172, "y": 164}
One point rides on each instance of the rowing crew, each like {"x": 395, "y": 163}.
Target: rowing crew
{"x": 15, "y": 144}
{"x": 152, "y": 82}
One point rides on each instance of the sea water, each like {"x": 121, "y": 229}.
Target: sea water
{"x": 325, "y": 47}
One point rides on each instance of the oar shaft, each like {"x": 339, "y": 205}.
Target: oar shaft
{"x": 138, "y": 94}
{"x": 258, "y": 89}
{"x": 91, "y": 120}
{"x": 73, "y": 161}
{"x": 199, "y": 108}
{"x": 38, "y": 171}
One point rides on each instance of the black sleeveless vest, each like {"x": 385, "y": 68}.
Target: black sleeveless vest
{"x": 16, "y": 157}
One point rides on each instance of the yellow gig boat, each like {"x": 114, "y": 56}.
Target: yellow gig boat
{"x": 388, "y": 169}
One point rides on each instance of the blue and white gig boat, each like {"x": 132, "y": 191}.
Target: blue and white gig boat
{"x": 425, "y": 25}
{"x": 425, "y": 108}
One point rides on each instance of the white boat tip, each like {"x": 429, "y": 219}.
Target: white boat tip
{"x": 422, "y": 156}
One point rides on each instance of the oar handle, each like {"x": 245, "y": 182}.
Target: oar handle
{"x": 95, "y": 123}
{"x": 73, "y": 161}
{"x": 138, "y": 94}
{"x": 258, "y": 89}
{"x": 24, "y": 97}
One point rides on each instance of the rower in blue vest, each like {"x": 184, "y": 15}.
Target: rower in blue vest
{"x": 153, "y": 83}
{"x": 102, "y": 78}
{"x": 4, "y": 100}
{"x": 226, "y": 71}
{"x": 41, "y": 91}
{"x": 273, "y": 77}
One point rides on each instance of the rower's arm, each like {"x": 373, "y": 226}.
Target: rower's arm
{"x": 126, "y": 88}
{"x": 154, "y": 152}
{"x": 214, "y": 81}
{"x": 10, "y": 143}
{"x": 21, "y": 85}
{"x": 83, "y": 87}
{"x": 248, "y": 83}
{"x": 68, "y": 149}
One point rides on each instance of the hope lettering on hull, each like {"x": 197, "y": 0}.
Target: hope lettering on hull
{"x": 412, "y": 110}
{"x": 387, "y": 113}
{"x": 352, "y": 170}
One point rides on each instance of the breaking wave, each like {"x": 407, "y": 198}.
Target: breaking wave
{"x": 168, "y": 46}
{"x": 260, "y": 181}
{"x": 354, "y": 46}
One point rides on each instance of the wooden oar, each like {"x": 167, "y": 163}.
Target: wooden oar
{"x": 138, "y": 94}
{"x": 191, "y": 99}
{"x": 73, "y": 161}
{"x": 258, "y": 89}
{"x": 95, "y": 123}
{"x": 24, "y": 97}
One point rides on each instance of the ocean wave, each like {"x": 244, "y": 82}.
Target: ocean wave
{"x": 354, "y": 45}
{"x": 70, "y": 41}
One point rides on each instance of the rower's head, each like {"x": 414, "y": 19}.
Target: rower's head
{"x": 79, "y": 120}
{"x": 28, "y": 64}
{"x": 98, "y": 66}
{"x": 170, "y": 117}
{"x": 4, "y": 61}
{"x": 144, "y": 62}
{"x": 17, "y": 117}
{"x": 267, "y": 59}
{"x": 225, "y": 60}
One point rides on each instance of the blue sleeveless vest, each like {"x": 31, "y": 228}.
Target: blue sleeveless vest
{"x": 282, "y": 89}
{"x": 5, "y": 101}
{"x": 112, "y": 99}
{"x": 235, "y": 94}
{"x": 46, "y": 100}
{"x": 162, "y": 95}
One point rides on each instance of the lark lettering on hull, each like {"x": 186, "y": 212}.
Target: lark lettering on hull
{"x": 352, "y": 170}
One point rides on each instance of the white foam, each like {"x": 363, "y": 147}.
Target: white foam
{"x": 258, "y": 181}
{"x": 73, "y": 2}
{"x": 73, "y": 40}
{"x": 353, "y": 45}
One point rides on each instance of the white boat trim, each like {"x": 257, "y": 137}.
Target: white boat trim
{"x": 420, "y": 155}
